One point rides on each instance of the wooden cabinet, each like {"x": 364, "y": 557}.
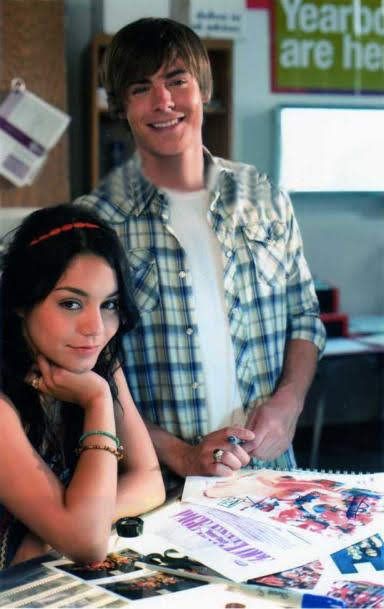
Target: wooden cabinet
{"x": 110, "y": 139}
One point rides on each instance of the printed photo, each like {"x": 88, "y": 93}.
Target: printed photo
{"x": 305, "y": 577}
{"x": 116, "y": 563}
{"x": 358, "y": 593}
{"x": 152, "y": 585}
{"x": 355, "y": 558}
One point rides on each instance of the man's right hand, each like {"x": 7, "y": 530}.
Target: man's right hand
{"x": 199, "y": 460}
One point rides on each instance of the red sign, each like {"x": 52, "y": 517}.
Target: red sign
{"x": 259, "y": 4}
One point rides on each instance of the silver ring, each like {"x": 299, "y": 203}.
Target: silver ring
{"x": 217, "y": 455}
{"x": 36, "y": 382}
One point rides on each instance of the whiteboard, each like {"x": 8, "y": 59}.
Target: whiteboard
{"x": 330, "y": 149}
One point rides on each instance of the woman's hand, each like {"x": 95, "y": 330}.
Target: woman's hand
{"x": 83, "y": 388}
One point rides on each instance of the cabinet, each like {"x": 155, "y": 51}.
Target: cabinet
{"x": 110, "y": 140}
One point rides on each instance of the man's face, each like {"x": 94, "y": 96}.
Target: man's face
{"x": 165, "y": 112}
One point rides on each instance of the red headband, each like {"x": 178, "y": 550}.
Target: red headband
{"x": 62, "y": 229}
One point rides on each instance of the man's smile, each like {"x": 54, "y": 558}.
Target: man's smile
{"x": 168, "y": 123}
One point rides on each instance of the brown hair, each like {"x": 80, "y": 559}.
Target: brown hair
{"x": 140, "y": 48}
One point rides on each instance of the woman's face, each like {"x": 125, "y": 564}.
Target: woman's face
{"x": 72, "y": 325}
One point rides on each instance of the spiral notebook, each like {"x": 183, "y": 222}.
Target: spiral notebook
{"x": 346, "y": 476}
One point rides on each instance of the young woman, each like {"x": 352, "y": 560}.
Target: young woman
{"x": 74, "y": 452}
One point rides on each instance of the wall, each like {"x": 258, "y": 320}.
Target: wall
{"x": 117, "y": 13}
{"x": 343, "y": 236}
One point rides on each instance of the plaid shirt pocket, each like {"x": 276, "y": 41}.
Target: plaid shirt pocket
{"x": 267, "y": 248}
{"x": 145, "y": 278}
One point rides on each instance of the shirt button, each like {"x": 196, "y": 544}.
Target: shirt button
{"x": 195, "y": 385}
{"x": 189, "y": 331}
{"x": 229, "y": 253}
{"x": 182, "y": 274}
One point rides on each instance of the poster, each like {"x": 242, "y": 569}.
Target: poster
{"x": 327, "y": 46}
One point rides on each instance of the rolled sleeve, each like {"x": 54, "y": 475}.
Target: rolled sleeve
{"x": 302, "y": 304}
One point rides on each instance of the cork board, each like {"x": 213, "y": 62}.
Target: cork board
{"x": 32, "y": 47}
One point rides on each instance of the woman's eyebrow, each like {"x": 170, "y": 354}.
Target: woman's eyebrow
{"x": 80, "y": 292}
{"x": 71, "y": 289}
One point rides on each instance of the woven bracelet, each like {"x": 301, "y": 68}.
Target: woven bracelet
{"x": 118, "y": 452}
{"x": 97, "y": 432}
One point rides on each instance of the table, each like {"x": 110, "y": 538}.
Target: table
{"x": 39, "y": 583}
{"x": 33, "y": 584}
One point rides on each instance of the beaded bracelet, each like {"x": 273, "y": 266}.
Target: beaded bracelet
{"x": 118, "y": 452}
{"x": 97, "y": 432}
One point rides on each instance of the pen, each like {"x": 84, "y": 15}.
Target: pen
{"x": 235, "y": 440}
{"x": 287, "y": 597}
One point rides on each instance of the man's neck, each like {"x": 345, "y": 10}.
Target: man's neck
{"x": 180, "y": 172}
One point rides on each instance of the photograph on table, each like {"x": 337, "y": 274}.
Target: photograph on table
{"x": 154, "y": 584}
{"x": 364, "y": 557}
{"x": 358, "y": 594}
{"x": 304, "y": 577}
{"x": 115, "y": 564}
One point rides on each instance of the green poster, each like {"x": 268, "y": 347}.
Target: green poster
{"x": 327, "y": 46}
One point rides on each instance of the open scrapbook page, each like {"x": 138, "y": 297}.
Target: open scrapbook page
{"x": 336, "y": 510}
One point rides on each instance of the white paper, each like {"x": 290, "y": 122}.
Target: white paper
{"x": 236, "y": 548}
{"x": 29, "y": 128}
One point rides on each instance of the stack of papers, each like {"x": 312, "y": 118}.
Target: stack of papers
{"x": 289, "y": 534}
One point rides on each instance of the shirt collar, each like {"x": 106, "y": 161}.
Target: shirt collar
{"x": 145, "y": 193}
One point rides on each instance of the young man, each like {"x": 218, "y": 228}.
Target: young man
{"x": 229, "y": 334}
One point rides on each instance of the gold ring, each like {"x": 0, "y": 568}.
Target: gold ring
{"x": 36, "y": 382}
{"x": 217, "y": 455}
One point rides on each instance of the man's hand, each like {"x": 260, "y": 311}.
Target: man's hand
{"x": 274, "y": 423}
{"x": 199, "y": 461}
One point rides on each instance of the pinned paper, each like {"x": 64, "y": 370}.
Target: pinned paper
{"x": 29, "y": 128}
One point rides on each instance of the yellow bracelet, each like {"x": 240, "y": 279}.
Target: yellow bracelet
{"x": 118, "y": 452}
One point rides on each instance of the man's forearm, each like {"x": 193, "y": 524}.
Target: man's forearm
{"x": 300, "y": 365}
{"x": 274, "y": 421}
{"x": 170, "y": 450}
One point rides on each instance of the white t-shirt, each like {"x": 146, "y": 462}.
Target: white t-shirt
{"x": 188, "y": 220}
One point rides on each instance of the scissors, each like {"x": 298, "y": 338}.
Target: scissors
{"x": 172, "y": 559}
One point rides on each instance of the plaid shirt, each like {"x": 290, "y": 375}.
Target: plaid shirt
{"x": 268, "y": 289}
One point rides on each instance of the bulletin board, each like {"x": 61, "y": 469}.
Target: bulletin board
{"x": 32, "y": 47}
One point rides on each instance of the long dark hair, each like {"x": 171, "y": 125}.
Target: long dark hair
{"x": 39, "y": 253}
